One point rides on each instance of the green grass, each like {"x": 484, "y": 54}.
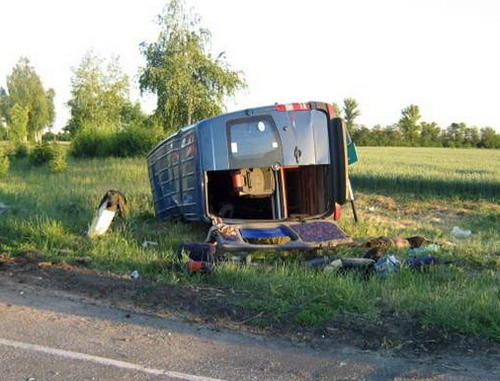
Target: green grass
{"x": 465, "y": 173}
{"x": 49, "y": 212}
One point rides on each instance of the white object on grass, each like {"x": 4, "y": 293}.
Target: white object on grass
{"x": 459, "y": 233}
{"x": 147, "y": 244}
{"x": 101, "y": 222}
{"x": 134, "y": 274}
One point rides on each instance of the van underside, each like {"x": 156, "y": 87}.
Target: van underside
{"x": 266, "y": 194}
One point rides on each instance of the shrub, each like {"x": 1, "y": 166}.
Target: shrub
{"x": 132, "y": 141}
{"x": 20, "y": 151}
{"x": 58, "y": 163}
{"x": 60, "y": 137}
{"x": 42, "y": 154}
{"x": 4, "y": 164}
{"x": 91, "y": 142}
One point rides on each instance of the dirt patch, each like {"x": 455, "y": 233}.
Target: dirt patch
{"x": 402, "y": 334}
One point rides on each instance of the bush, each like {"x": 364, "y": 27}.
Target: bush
{"x": 91, "y": 142}
{"x": 60, "y": 137}
{"x": 133, "y": 141}
{"x": 20, "y": 151}
{"x": 58, "y": 163}
{"x": 4, "y": 164}
{"x": 42, "y": 154}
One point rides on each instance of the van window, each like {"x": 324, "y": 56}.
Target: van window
{"x": 254, "y": 142}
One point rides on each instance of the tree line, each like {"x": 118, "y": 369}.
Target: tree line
{"x": 411, "y": 132}
{"x": 189, "y": 83}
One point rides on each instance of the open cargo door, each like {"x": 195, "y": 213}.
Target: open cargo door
{"x": 281, "y": 236}
{"x": 303, "y": 220}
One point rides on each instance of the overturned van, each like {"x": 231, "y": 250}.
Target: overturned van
{"x": 275, "y": 176}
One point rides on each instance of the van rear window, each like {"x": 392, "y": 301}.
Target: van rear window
{"x": 254, "y": 142}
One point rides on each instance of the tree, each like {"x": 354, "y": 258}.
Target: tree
{"x": 489, "y": 138}
{"x": 132, "y": 115}
{"x": 337, "y": 110}
{"x": 25, "y": 89}
{"x": 18, "y": 126}
{"x": 351, "y": 112}
{"x": 4, "y": 109}
{"x": 362, "y": 136}
{"x": 99, "y": 92}
{"x": 189, "y": 83}
{"x": 472, "y": 137}
{"x": 408, "y": 124}
{"x": 429, "y": 134}
{"x": 393, "y": 136}
{"x": 455, "y": 135}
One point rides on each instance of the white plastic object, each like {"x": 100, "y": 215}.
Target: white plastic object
{"x": 459, "y": 233}
{"x": 101, "y": 222}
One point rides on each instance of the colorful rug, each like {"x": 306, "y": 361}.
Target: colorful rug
{"x": 318, "y": 231}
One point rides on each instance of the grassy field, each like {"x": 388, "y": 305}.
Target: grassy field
{"x": 466, "y": 173}
{"x": 400, "y": 192}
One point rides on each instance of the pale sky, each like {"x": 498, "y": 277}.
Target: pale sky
{"x": 442, "y": 55}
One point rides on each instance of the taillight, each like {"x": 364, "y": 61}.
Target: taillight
{"x": 293, "y": 107}
{"x": 331, "y": 110}
{"x": 337, "y": 213}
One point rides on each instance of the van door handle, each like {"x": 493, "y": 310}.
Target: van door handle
{"x": 297, "y": 153}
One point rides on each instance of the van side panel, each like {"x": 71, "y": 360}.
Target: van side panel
{"x": 190, "y": 201}
{"x": 164, "y": 177}
{"x": 175, "y": 176}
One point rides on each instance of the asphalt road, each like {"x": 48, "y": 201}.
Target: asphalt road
{"x": 51, "y": 335}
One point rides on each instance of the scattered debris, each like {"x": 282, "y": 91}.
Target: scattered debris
{"x": 113, "y": 202}
{"x": 387, "y": 265}
{"x": 417, "y": 241}
{"x": 199, "y": 266}
{"x": 134, "y": 275}
{"x": 433, "y": 248}
{"x": 228, "y": 232}
{"x": 399, "y": 243}
{"x": 363, "y": 266}
{"x": 150, "y": 244}
{"x": 44, "y": 264}
{"x": 316, "y": 263}
{"x": 419, "y": 263}
{"x": 459, "y": 233}
{"x": 374, "y": 253}
{"x": 199, "y": 251}
{"x": 6, "y": 260}
{"x": 356, "y": 263}
{"x": 85, "y": 261}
